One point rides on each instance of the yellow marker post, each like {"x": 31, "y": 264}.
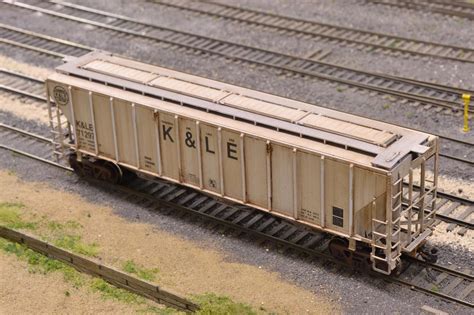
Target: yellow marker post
{"x": 467, "y": 99}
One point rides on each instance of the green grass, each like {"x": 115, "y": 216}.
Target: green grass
{"x": 62, "y": 235}
{"x": 10, "y": 216}
{"x": 109, "y": 291}
{"x": 75, "y": 245}
{"x": 146, "y": 274}
{"x": 212, "y": 304}
{"x": 39, "y": 263}
{"x": 57, "y": 226}
{"x": 160, "y": 311}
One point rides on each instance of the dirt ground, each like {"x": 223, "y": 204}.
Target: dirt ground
{"x": 22, "y": 292}
{"x": 184, "y": 266}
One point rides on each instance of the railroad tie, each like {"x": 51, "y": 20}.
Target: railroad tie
{"x": 300, "y": 236}
{"x": 253, "y": 220}
{"x": 208, "y": 206}
{"x": 463, "y": 216}
{"x": 452, "y": 285}
{"x": 230, "y": 213}
{"x": 198, "y": 202}
{"x": 218, "y": 210}
{"x": 266, "y": 224}
{"x": 186, "y": 198}
{"x": 432, "y": 311}
{"x": 467, "y": 290}
{"x": 449, "y": 208}
{"x": 277, "y": 229}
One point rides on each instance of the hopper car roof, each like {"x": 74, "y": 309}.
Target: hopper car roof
{"x": 383, "y": 144}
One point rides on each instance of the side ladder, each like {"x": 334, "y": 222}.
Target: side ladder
{"x": 59, "y": 128}
{"x": 386, "y": 235}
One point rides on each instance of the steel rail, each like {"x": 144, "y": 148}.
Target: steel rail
{"x": 33, "y": 84}
{"x": 448, "y": 8}
{"x": 26, "y": 133}
{"x": 420, "y": 288}
{"x": 453, "y": 198}
{"x": 457, "y": 273}
{"x": 44, "y": 44}
{"x": 312, "y": 29}
{"x": 173, "y": 202}
{"x": 456, "y": 198}
{"x": 253, "y": 55}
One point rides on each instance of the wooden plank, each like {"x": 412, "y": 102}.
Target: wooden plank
{"x": 467, "y": 290}
{"x": 108, "y": 273}
{"x": 120, "y": 71}
{"x": 349, "y": 129}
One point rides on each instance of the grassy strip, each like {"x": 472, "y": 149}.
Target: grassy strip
{"x": 211, "y": 304}
{"x": 146, "y": 274}
{"x": 10, "y": 217}
{"x": 65, "y": 235}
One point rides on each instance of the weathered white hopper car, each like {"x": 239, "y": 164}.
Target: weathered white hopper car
{"x": 325, "y": 169}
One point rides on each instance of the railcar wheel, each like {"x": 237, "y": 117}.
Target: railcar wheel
{"x": 76, "y": 165}
{"x": 359, "y": 259}
{"x": 339, "y": 249}
{"x": 98, "y": 169}
{"x": 108, "y": 171}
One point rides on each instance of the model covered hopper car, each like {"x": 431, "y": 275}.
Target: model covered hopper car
{"x": 346, "y": 175}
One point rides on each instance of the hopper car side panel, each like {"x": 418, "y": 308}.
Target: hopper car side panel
{"x": 102, "y": 114}
{"x": 211, "y": 157}
{"x": 315, "y": 189}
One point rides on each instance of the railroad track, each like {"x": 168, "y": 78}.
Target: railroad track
{"x": 28, "y": 143}
{"x": 460, "y": 9}
{"x": 455, "y": 211}
{"x": 26, "y": 86}
{"x": 322, "y": 32}
{"x": 420, "y": 93}
{"x": 42, "y": 44}
{"x": 257, "y": 226}
{"x": 448, "y": 206}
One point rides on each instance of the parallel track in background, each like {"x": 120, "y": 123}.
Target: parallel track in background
{"x": 23, "y": 85}
{"x": 43, "y": 44}
{"x": 322, "y": 32}
{"x": 459, "y": 9}
{"x": 420, "y": 93}
{"x": 262, "y": 228}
